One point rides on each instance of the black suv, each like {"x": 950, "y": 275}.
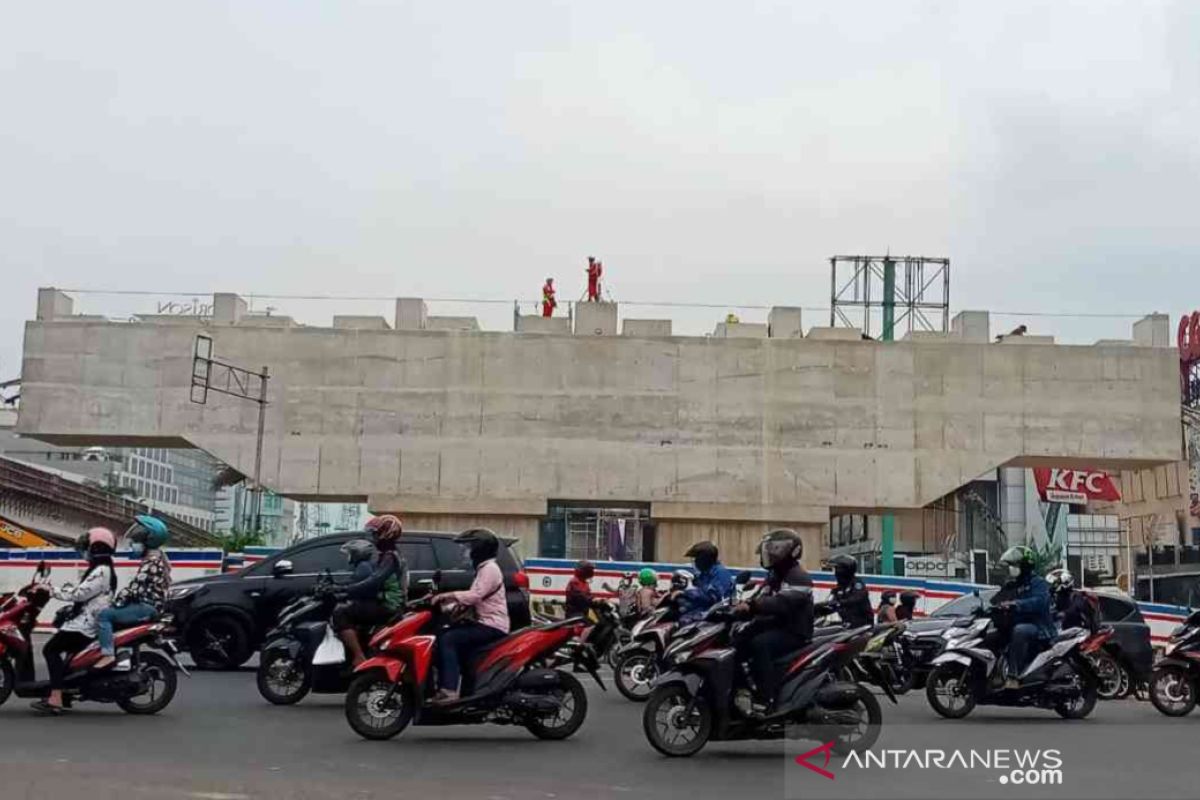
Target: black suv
{"x": 222, "y": 618}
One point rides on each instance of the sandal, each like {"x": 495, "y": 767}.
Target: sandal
{"x": 46, "y": 709}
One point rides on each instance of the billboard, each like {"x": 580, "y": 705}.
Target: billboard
{"x": 1077, "y": 487}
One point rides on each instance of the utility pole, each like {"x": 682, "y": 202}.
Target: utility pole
{"x": 887, "y": 537}
{"x": 209, "y": 374}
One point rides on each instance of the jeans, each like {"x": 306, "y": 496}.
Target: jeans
{"x": 1024, "y": 644}
{"x": 58, "y": 652}
{"x": 125, "y": 615}
{"x": 456, "y": 646}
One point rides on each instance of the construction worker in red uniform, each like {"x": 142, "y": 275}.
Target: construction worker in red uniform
{"x": 594, "y": 270}
{"x": 548, "y": 301}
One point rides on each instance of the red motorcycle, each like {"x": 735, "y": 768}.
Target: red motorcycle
{"x": 147, "y": 687}
{"x": 511, "y": 683}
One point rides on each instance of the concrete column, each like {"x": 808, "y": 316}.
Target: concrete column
{"x": 784, "y": 323}
{"x": 972, "y": 326}
{"x": 53, "y": 304}
{"x": 228, "y": 308}
{"x": 1153, "y": 330}
{"x": 411, "y": 314}
{"x": 596, "y": 319}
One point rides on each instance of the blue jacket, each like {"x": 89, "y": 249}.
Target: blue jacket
{"x": 708, "y": 589}
{"x": 1032, "y": 605}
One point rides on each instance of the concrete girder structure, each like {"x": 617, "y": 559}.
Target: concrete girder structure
{"x": 721, "y": 436}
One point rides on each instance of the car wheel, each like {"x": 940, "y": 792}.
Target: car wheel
{"x": 219, "y": 641}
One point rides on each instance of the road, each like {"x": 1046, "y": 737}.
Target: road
{"x": 220, "y": 741}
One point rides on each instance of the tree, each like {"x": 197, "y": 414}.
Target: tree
{"x": 236, "y": 541}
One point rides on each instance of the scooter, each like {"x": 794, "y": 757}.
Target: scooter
{"x": 971, "y": 670}
{"x": 509, "y": 684}
{"x": 302, "y": 653}
{"x": 146, "y": 687}
{"x": 638, "y": 663}
{"x": 1176, "y": 680}
{"x": 707, "y": 695}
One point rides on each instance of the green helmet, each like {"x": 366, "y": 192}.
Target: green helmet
{"x": 1019, "y": 559}
{"x": 648, "y": 577}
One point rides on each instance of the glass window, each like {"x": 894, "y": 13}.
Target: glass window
{"x": 419, "y": 556}
{"x": 317, "y": 559}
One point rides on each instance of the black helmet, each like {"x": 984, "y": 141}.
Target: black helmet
{"x": 703, "y": 554}
{"x": 909, "y": 598}
{"x": 357, "y": 551}
{"x": 780, "y": 548}
{"x": 887, "y": 598}
{"x": 482, "y": 544}
{"x": 844, "y": 567}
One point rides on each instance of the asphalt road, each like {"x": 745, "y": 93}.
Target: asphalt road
{"x": 220, "y": 741}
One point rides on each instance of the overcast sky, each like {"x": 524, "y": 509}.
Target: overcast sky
{"x": 708, "y": 152}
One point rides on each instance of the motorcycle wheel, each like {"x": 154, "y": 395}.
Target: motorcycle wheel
{"x": 1173, "y": 691}
{"x": 572, "y": 710}
{"x": 365, "y": 710}
{"x": 948, "y": 690}
{"x": 281, "y": 680}
{"x": 665, "y": 728}
{"x": 1081, "y": 706}
{"x": 869, "y": 726}
{"x": 634, "y": 675}
{"x": 1109, "y": 676}
{"x": 163, "y": 680}
{"x": 8, "y": 679}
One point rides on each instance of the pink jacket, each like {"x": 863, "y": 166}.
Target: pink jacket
{"x": 487, "y": 596}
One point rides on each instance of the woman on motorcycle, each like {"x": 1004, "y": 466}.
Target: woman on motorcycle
{"x": 373, "y": 599}
{"x": 908, "y": 606}
{"x": 579, "y": 590}
{"x": 887, "y": 608}
{"x": 146, "y": 595}
{"x": 88, "y": 599}
{"x": 488, "y": 605}
{"x": 647, "y": 594}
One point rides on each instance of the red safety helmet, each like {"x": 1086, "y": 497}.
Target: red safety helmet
{"x": 585, "y": 570}
{"x": 385, "y": 530}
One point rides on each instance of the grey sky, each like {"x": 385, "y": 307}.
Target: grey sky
{"x": 708, "y": 152}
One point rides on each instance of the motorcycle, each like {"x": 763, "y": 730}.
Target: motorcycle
{"x": 971, "y": 669}
{"x": 639, "y": 662}
{"x": 146, "y": 687}
{"x": 1176, "y": 677}
{"x": 302, "y": 653}
{"x": 598, "y": 641}
{"x": 891, "y": 659}
{"x": 510, "y": 683}
{"x": 706, "y": 694}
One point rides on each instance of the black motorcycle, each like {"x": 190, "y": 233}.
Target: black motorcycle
{"x": 1176, "y": 678}
{"x": 707, "y": 694}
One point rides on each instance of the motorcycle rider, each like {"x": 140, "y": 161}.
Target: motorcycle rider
{"x": 91, "y": 596}
{"x": 781, "y": 613}
{"x": 850, "y": 598}
{"x": 713, "y": 582}
{"x": 647, "y": 594}
{"x": 458, "y": 644}
{"x": 1072, "y": 608}
{"x": 887, "y": 608}
{"x": 626, "y": 593}
{"x": 1027, "y": 596}
{"x": 374, "y": 598}
{"x": 908, "y": 606}
{"x": 145, "y": 596}
{"x": 579, "y": 590}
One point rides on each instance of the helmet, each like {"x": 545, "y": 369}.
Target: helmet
{"x": 1019, "y": 560}
{"x": 780, "y": 548}
{"x": 1060, "y": 580}
{"x": 357, "y": 551}
{"x": 909, "y": 598}
{"x": 96, "y": 541}
{"x": 648, "y": 577}
{"x": 585, "y": 570}
{"x": 680, "y": 580}
{"x": 887, "y": 598}
{"x": 703, "y": 554}
{"x": 844, "y": 567}
{"x": 384, "y": 530}
{"x": 146, "y": 533}
{"x": 481, "y": 542}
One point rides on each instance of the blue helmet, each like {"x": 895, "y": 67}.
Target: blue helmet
{"x": 148, "y": 531}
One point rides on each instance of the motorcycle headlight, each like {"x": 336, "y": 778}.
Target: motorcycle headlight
{"x": 180, "y": 592}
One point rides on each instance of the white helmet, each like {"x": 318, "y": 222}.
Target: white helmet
{"x": 1060, "y": 580}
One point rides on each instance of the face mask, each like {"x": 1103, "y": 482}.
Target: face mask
{"x": 1014, "y": 572}
{"x": 138, "y": 549}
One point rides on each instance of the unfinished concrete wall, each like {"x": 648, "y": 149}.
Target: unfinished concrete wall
{"x": 751, "y": 430}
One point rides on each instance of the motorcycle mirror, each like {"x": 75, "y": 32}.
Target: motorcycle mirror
{"x": 743, "y": 577}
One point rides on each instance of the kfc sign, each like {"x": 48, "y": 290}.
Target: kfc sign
{"x": 1075, "y": 486}
{"x": 1189, "y": 338}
